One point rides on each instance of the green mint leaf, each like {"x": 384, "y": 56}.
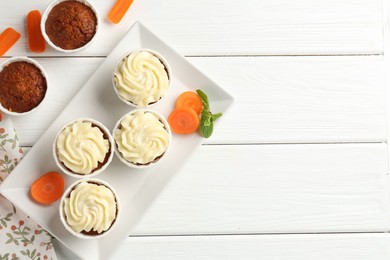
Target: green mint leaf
{"x": 205, "y": 100}
{"x": 206, "y": 115}
{"x": 216, "y": 116}
{"x": 206, "y": 126}
{"x": 207, "y": 119}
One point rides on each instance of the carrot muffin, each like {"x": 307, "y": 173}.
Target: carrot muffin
{"x": 71, "y": 25}
{"x": 22, "y": 86}
{"x": 90, "y": 208}
{"x": 141, "y": 138}
{"x": 141, "y": 78}
{"x": 83, "y": 147}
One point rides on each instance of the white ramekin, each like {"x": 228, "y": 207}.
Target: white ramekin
{"x": 46, "y": 37}
{"x": 162, "y": 60}
{"x": 67, "y": 193}
{"x": 96, "y": 172}
{"x": 29, "y": 60}
{"x": 140, "y": 166}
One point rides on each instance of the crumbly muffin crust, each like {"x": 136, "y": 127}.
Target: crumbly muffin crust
{"x": 71, "y": 25}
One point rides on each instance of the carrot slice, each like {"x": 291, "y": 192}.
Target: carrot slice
{"x": 119, "y": 10}
{"x": 183, "y": 121}
{"x": 36, "y": 42}
{"x": 48, "y": 188}
{"x": 189, "y": 99}
{"x": 7, "y": 39}
{"x": 1, "y": 116}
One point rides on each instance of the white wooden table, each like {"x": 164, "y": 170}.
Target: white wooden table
{"x": 299, "y": 167}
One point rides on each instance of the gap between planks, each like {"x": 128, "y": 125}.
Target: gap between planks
{"x": 222, "y": 56}
{"x": 257, "y": 234}
{"x": 250, "y": 144}
{"x": 261, "y": 234}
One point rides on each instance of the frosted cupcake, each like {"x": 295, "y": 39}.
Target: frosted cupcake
{"x": 141, "y": 78}
{"x": 89, "y": 209}
{"x": 142, "y": 138}
{"x": 83, "y": 147}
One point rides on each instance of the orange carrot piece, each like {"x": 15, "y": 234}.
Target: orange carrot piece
{"x": 7, "y": 39}
{"x": 48, "y": 188}
{"x": 1, "y": 116}
{"x": 36, "y": 42}
{"x": 119, "y": 10}
{"x": 183, "y": 121}
{"x": 189, "y": 99}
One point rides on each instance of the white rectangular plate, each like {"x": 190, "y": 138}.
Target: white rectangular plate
{"x": 136, "y": 188}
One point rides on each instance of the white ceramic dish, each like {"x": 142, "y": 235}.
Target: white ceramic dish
{"x": 96, "y": 172}
{"x": 46, "y": 37}
{"x": 136, "y": 189}
{"x": 34, "y": 62}
{"x": 164, "y": 62}
{"x": 130, "y": 164}
{"x": 81, "y": 235}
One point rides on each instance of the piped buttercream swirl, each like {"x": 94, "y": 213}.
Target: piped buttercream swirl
{"x": 141, "y": 137}
{"x": 89, "y": 207}
{"x": 141, "y": 78}
{"x": 81, "y": 146}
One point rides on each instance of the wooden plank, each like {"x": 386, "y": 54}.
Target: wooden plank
{"x": 305, "y": 99}
{"x": 282, "y": 99}
{"x": 265, "y": 247}
{"x": 203, "y": 27}
{"x": 275, "y": 189}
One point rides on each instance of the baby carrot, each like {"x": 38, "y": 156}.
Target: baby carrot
{"x": 118, "y": 10}
{"x": 8, "y": 38}
{"x": 36, "y": 42}
{"x": 48, "y": 188}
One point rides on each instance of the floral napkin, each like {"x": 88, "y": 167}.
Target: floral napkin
{"x": 20, "y": 237}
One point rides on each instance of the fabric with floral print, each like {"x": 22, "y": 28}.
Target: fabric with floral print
{"x": 20, "y": 237}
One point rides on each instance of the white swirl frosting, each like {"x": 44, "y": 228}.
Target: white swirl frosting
{"x": 90, "y": 207}
{"x": 81, "y": 146}
{"x": 141, "y": 137}
{"x": 141, "y": 78}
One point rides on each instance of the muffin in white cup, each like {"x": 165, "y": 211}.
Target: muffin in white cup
{"x": 23, "y": 86}
{"x": 141, "y": 78}
{"x": 142, "y": 138}
{"x": 70, "y": 25}
{"x": 83, "y": 148}
{"x": 89, "y": 208}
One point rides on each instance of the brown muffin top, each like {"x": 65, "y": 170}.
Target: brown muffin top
{"x": 71, "y": 25}
{"x": 22, "y": 86}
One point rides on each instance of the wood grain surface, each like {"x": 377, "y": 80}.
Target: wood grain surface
{"x": 247, "y": 27}
{"x": 298, "y": 169}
